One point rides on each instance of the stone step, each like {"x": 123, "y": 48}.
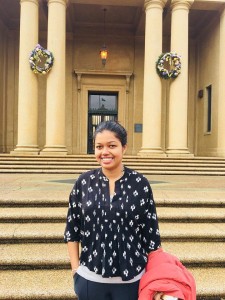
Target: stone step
{"x": 91, "y": 157}
{"x": 50, "y": 232}
{"x": 189, "y": 214}
{"x": 79, "y": 164}
{"x": 58, "y": 284}
{"x": 54, "y": 255}
{"x": 177, "y": 201}
{"x": 209, "y": 282}
{"x": 6, "y": 156}
{"x": 36, "y": 284}
{"x": 90, "y": 161}
{"x": 31, "y": 232}
{"x": 55, "y": 214}
{"x": 33, "y": 214}
{"x": 192, "y": 231}
{"x": 93, "y": 163}
{"x": 34, "y": 256}
{"x": 147, "y": 171}
{"x": 87, "y": 166}
{"x": 197, "y": 253}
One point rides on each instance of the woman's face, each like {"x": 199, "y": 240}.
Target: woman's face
{"x": 109, "y": 150}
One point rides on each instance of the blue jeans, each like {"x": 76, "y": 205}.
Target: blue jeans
{"x": 89, "y": 290}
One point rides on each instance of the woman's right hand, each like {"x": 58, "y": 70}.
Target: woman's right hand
{"x": 74, "y": 271}
{"x": 158, "y": 296}
{"x": 162, "y": 296}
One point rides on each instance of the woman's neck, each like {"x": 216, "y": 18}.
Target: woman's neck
{"x": 114, "y": 174}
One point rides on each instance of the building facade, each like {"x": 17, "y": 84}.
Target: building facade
{"x": 56, "y": 113}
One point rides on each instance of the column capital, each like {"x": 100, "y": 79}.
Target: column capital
{"x": 32, "y": 1}
{"x": 155, "y": 3}
{"x": 64, "y": 2}
{"x": 181, "y": 4}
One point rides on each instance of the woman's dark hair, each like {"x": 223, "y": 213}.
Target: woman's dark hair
{"x": 113, "y": 126}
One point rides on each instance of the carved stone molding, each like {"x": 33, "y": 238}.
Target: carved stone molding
{"x": 80, "y": 73}
{"x": 155, "y": 3}
{"x": 181, "y": 4}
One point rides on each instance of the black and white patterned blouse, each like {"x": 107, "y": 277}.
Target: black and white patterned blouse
{"x": 116, "y": 235}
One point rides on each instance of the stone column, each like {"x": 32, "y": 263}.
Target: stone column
{"x": 221, "y": 96}
{"x": 28, "y": 82}
{"x": 55, "y": 99}
{"x": 178, "y": 102}
{"x": 151, "y": 136}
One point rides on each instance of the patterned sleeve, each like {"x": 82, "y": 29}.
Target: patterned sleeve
{"x": 150, "y": 228}
{"x": 73, "y": 222}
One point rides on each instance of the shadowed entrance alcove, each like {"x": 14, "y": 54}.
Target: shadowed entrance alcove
{"x": 101, "y": 82}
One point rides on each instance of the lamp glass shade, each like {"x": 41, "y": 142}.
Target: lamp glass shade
{"x": 103, "y": 54}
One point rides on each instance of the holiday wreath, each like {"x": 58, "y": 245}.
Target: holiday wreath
{"x": 174, "y": 63}
{"x": 41, "y": 60}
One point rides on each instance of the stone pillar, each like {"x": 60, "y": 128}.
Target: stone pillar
{"x": 221, "y": 96}
{"x": 178, "y": 100}
{"x": 151, "y": 136}
{"x": 55, "y": 99}
{"x": 28, "y": 82}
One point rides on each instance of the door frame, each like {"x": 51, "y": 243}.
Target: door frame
{"x": 98, "y": 83}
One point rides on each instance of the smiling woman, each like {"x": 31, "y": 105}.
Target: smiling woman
{"x": 112, "y": 213}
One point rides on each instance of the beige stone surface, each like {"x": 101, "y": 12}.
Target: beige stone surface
{"x": 59, "y": 282}
{"x": 166, "y": 188}
{"x": 209, "y": 280}
{"x": 34, "y": 254}
{"x": 53, "y": 231}
{"x": 199, "y": 244}
{"x": 44, "y": 254}
{"x": 190, "y": 213}
{"x": 192, "y": 230}
{"x": 30, "y": 231}
{"x": 33, "y": 213}
{"x": 38, "y": 187}
{"x": 53, "y": 283}
{"x": 197, "y": 252}
{"x": 53, "y": 214}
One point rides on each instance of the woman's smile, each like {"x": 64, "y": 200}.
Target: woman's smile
{"x": 107, "y": 159}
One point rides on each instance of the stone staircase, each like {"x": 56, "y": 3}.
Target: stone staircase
{"x": 33, "y": 258}
{"x": 76, "y": 164}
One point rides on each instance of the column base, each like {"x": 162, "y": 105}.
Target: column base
{"x": 147, "y": 152}
{"x": 54, "y": 150}
{"x": 25, "y": 150}
{"x": 178, "y": 153}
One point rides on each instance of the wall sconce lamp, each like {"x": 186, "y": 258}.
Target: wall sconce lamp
{"x": 104, "y": 51}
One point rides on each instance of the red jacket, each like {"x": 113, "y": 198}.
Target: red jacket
{"x": 165, "y": 273}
